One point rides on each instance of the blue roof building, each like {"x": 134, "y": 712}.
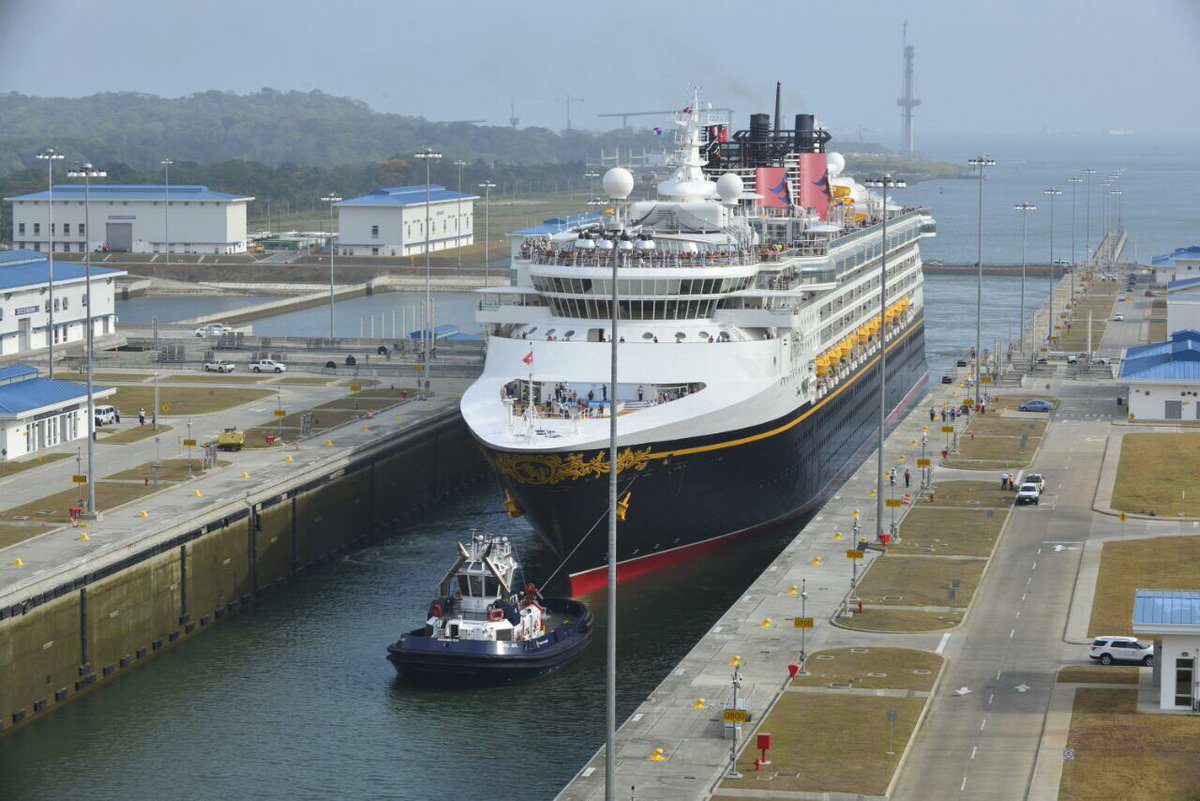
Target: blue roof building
{"x": 391, "y": 221}
{"x": 1172, "y": 619}
{"x": 39, "y": 413}
{"x": 101, "y": 193}
{"x": 1164, "y": 378}
{"x": 1180, "y": 263}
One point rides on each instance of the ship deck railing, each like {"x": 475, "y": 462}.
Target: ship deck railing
{"x": 642, "y": 259}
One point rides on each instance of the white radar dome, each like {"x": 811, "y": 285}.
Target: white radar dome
{"x": 729, "y": 188}
{"x": 837, "y": 163}
{"x": 618, "y": 183}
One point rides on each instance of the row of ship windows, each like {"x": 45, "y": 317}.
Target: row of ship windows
{"x": 589, "y": 309}
{"x": 871, "y": 287}
{"x": 862, "y": 255}
{"x": 648, "y": 287}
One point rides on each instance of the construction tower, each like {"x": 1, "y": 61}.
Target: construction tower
{"x": 909, "y": 101}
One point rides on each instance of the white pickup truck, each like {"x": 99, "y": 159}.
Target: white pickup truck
{"x": 218, "y": 366}
{"x": 268, "y": 366}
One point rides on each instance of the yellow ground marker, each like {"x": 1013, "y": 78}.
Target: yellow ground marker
{"x": 18, "y": 563}
{"x": 766, "y": 624}
{"x": 657, "y": 756}
{"x": 793, "y": 591}
{"x": 289, "y": 458}
{"x": 197, "y": 493}
{"x": 143, "y": 514}
{"x": 84, "y": 537}
{"x": 245, "y": 474}
{"x": 699, "y": 705}
{"x": 837, "y": 535}
{"x": 816, "y": 562}
{"x": 736, "y": 661}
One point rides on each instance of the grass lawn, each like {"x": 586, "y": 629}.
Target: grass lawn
{"x": 131, "y": 434}
{"x": 1099, "y": 675}
{"x": 1158, "y": 330}
{"x": 949, "y": 532}
{"x": 183, "y": 401}
{"x": 103, "y": 376}
{"x": 1154, "y": 469}
{"x": 996, "y": 426}
{"x": 356, "y": 402}
{"x": 1100, "y": 303}
{"x": 1164, "y": 563}
{"x": 54, "y": 508}
{"x": 1121, "y": 754}
{"x": 901, "y": 620}
{"x": 983, "y": 452}
{"x": 213, "y": 378}
{"x": 169, "y": 470}
{"x": 920, "y": 581}
{"x": 829, "y": 743}
{"x": 13, "y": 533}
{"x": 304, "y": 380}
{"x": 12, "y": 468}
{"x": 972, "y": 494}
{"x": 853, "y": 665}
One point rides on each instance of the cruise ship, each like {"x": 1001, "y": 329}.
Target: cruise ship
{"x": 749, "y": 344}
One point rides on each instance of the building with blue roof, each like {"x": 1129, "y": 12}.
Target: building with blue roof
{"x": 1183, "y": 304}
{"x": 38, "y": 413}
{"x": 1181, "y": 263}
{"x": 141, "y": 218}
{"x": 391, "y": 221}
{"x": 1164, "y": 378}
{"x": 26, "y": 306}
{"x": 1172, "y": 619}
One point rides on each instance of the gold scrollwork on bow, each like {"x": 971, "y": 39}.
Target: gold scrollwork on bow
{"x": 554, "y": 469}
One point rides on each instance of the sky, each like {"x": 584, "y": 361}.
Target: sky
{"x": 1011, "y": 66}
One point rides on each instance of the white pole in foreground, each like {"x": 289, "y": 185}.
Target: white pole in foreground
{"x": 167, "y": 208}
{"x": 979, "y": 163}
{"x": 331, "y": 199}
{"x": 427, "y": 155}
{"x": 50, "y": 156}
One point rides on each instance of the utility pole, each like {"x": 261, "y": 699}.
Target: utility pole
{"x": 428, "y": 155}
{"x": 458, "y": 225}
{"x": 1024, "y": 207}
{"x": 50, "y": 156}
{"x": 569, "y": 101}
{"x": 979, "y": 163}
{"x": 487, "y": 187}
{"x": 332, "y": 199}
{"x": 909, "y": 100}
{"x": 167, "y": 208}
{"x": 1051, "y": 192}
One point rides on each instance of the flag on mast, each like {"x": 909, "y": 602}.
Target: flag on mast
{"x": 528, "y": 359}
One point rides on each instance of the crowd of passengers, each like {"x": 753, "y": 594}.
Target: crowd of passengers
{"x": 566, "y": 402}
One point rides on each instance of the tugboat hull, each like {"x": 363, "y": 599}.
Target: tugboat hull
{"x": 429, "y": 660}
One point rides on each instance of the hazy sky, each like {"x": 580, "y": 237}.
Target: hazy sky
{"x": 1011, "y": 65}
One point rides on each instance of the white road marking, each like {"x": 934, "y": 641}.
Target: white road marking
{"x": 1034, "y": 566}
{"x": 1028, "y": 581}
{"x": 983, "y": 724}
{"x": 1023, "y": 596}
{"x": 942, "y": 645}
{"x": 964, "y": 784}
{"x": 997, "y": 675}
{"x": 636, "y": 718}
{"x": 1018, "y": 613}
{"x": 990, "y": 697}
{"x": 1039, "y": 550}
{"x": 587, "y": 772}
{"x": 974, "y": 748}
{"x": 1011, "y": 633}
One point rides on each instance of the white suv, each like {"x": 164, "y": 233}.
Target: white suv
{"x": 1121, "y": 649}
{"x": 1029, "y": 493}
{"x": 268, "y": 366}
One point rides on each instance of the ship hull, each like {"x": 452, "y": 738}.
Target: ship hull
{"x": 691, "y": 496}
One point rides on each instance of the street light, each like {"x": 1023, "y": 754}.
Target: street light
{"x": 458, "y": 220}
{"x": 1024, "y": 207}
{"x": 332, "y": 199}
{"x": 50, "y": 156}
{"x": 1051, "y": 192}
{"x": 487, "y": 187}
{"x": 167, "y": 209}
{"x": 87, "y": 172}
{"x": 427, "y": 155}
{"x": 1074, "y": 181}
{"x": 979, "y": 163}
{"x": 1116, "y": 193}
{"x": 1087, "y": 250}
{"x": 882, "y": 182}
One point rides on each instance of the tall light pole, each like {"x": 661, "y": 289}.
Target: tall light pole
{"x": 1051, "y": 192}
{"x": 1074, "y": 181}
{"x": 1024, "y": 207}
{"x": 882, "y": 182}
{"x": 487, "y": 187}
{"x": 87, "y": 172}
{"x": 428, "y": 155}
{"x": 1116, "y": 193}
{"x": 458, "y": 223}
{"x": 570, "y": 100}
{"x": 50, "y": 156}
{"x": 979, "y": 163}
{"x": 331, "y": 199}
{"x": 1087, "y": 236}
{"x": 167, "y": 208}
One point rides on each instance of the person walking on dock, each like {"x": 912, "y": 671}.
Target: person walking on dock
{"x": 141, "y": 417}
{"x": 907, "y": 478}
{"x": 932, "y": 415}
{"x": 892, "y": 477}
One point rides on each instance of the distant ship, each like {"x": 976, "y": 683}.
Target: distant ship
{"x": 749, "y": 347}
{"x": 1120, "y": 132}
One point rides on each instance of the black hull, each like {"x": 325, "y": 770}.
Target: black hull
{"x": 478, "y": 662}
{"x": 721, "y": 485}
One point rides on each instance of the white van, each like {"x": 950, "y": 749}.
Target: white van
{"x": 106, "y": 415}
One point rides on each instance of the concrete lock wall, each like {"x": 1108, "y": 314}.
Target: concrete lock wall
{"x": 59, "y": 644}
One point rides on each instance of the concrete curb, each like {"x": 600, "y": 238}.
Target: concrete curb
{"x": 937, "y": 682}
{"x": 1108, "y": 480}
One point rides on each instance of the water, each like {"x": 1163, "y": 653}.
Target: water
{"x": 173, "y": 308}
{"x": 400, "y": 308}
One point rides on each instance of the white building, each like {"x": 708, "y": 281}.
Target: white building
{"x": 1183, "y": 305}
{"x": 1182, "y": 263}
{"x": 391, "y": 222}
{"x": 1172, "y": 618}
{"x": 1164, "y": 378}
{"x": 37, "y": 413}
{"x": 132, "y": 219}
{"x": 25, "y": 305}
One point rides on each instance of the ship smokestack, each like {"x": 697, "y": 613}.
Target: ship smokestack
{"x": 805, "y": 137}
{"x": 777, "y": 108}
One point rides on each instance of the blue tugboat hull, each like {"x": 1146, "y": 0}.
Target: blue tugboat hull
{"x": 428, "y": 660}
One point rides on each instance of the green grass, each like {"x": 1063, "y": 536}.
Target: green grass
{"x": 972, "y": 495}
{"x": 14, "y": 533}
{"x": 1099, "y": 675}
{"x": 1153, "y": 471}
{"x": 831, "y": 743}
{"x": 1120, "y": 753}
{"x": 1164, "y": 563}
{"x": 29, "y": 463}
{"x": 920, "y": 581}
{"x": 54, "y": 508}
{"x": 940, "y": 531}
{"x": 304, "y": 380}
{"x": 853, "y": 665}
{"x": 881, "y": 618}
{"x": 182, "y": 401}
{"x": 134, "y": 433}
{"x": 991, "y": 453}
{"x": 1100, "y": 303}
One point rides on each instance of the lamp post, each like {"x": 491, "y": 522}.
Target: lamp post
{"x": 979, "y": 163}
{"x": 458, "y": 226}
{"x": 428, "y": 155}
{"x": 487, "y": 187}
{"x": 1024, "y": 207}
{"x": 332, "y": 199}
{"x": 50, "y": 156}
{"x": 167, "y": 209}
{"x": 883, "y": 182}
{"x": 1074, "y": 181}
{"x": 1051, "y": 192}
{"x": 87, "y": 172}
{"x": 1087, "y": 236}
{"x": 1116, "y": 193}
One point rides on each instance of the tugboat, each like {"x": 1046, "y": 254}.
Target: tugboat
{"x": 479, "y": 630}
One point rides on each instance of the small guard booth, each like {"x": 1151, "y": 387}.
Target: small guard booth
{"x": 1172, "y": 619}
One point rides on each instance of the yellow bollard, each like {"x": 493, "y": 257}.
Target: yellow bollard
{"x": 328, "y": 443}
{"x": 699, "y": 705}
{"x": 18, "y": 563}
{"x": 872, "y": 491}
{"x": 837, "y": 536}
{"x": 197, "y": 493}
{"x": 657, "y": 756}
{"x": 368, "y": 428}
{"x": 143, "y": 514}
{"x": 766, "y": 624}
{"x": 816, "y": 561}
{"x": 289, "y": 458}
{"x": 84, "y": 537}
{"x": 793, "y": 591}
{"x": 737, "y": 660}
{"x": 245, "y": 474}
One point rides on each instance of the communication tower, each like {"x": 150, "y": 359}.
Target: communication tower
{"x": 909, "y": 101}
